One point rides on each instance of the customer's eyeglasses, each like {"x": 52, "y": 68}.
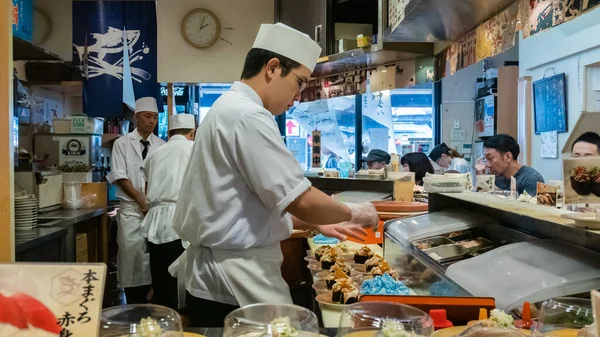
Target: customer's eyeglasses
{"x": 302, "y": 84}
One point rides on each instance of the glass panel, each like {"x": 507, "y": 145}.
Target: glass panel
{"x": 398, "y": 121}
{"x": 335, "y": 118}
{"x": 417, "y": 276}
{"x": 209, "y": 93}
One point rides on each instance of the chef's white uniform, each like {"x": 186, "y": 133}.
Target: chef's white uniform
{"x": 231, "y": 209}
{"x": 133, "y": 264}
{"x": 164, "y": 171}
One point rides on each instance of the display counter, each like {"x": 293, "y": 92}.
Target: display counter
{"x": 474, "y": 245}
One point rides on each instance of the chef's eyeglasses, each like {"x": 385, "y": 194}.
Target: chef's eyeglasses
{"x": 302, "y": 84}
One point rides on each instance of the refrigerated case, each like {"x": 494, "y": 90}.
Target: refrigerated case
{"x": 488, "y": 249}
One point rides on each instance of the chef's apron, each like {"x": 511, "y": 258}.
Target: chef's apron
{"x": 133, "y": 263}
{"x": 250, "y": 276}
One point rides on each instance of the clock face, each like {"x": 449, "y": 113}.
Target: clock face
{"x": 41, "y": 27}
{"x": 200, "y": 28}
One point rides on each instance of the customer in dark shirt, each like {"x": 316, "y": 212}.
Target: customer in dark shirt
{"x": 501, "y": 153}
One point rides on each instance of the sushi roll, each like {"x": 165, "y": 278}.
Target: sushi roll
{"x": 328, "y": 259}
{"x": 342, "y": 265}
{"x": 373, "y": 262}
{"x": 384, "y": 268}
{"x": 344, "y": 292}
{"x": 595, "y": 176}
{"x": 336, "y": 274}
{"x": 320, "y": 251}
{"x": 581, "y": 180}
{"x": 363, "y": 255}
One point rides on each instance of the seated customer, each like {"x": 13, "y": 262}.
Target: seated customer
{"x": 418, "y": 163}
{"x": 449, "y": 159}
{"x": 377, "y": 159}
{"x": 501, "y": 153}
{"x": 586, "y": 145}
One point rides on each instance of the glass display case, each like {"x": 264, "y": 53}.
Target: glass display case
{"x": 460, "y": 252}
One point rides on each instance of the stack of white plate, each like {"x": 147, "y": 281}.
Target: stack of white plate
{"x": 26, "y": 212}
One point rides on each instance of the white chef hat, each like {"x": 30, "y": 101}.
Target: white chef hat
{"x": 146, "y": 104}
{"x": 286, "y": 41}
{"x": 182, "y": 121}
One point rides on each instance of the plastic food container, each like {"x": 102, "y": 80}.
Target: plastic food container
{"x": 482, "y": 244}
{"x": 447, "y": 253}
{"x": 434, "y": 241}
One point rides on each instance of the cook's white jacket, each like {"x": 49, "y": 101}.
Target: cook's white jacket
{"x": 231, "y": 209}
{"x": 133, "y": 264}
{"x": 164, "y": 171}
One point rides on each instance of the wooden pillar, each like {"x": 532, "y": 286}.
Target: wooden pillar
{"x": 7, "y": 245}
{"x": 170, "y": 102}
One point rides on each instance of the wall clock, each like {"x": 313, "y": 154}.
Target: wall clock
{"x": 200, "y": 28}
{"x": 42, "y": 26}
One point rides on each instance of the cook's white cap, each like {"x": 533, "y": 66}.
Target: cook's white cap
{"x": 182, "y": 121}
{"x": 286, "y": 41}
{"x": 146, "y": 104}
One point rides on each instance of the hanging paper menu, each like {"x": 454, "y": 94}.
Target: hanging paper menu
{"x": 316, "y": 148}
{"x": 51, "y": 299}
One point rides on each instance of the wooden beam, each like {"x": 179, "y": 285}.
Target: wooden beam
{"x": 7, "y": 243}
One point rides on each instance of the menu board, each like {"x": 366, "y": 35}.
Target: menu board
{"x": 549, "y": 104}
{"x": 54, "y": 299}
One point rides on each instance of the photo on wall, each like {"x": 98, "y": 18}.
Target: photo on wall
{"x": 581, "y": 180}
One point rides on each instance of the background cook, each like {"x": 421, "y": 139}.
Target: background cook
{"x": 128, "y": 154}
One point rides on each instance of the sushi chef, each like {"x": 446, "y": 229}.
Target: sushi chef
{"x": 244, "y": 191}
{"x": 164, "y": 171}
{"x": 129, "y": 153}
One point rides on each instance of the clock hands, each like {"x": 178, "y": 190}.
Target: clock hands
{"x": 202, "y": 23}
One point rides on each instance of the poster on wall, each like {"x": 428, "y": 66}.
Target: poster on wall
{"x": 425, "y": 70}
{"x": 467, "y": 54}
{"x": 485, "y": 114}
{"x": 549, "y": 104}
{"x": 22, "y": 19}
{"x": 587, "y": 5}
{"x": 536, "y": 16}
{"x": 565, "y": 10}
{"x": 497, "y": 34}
{"x": 549, "y": 146}
{"x": 581, "y": 180}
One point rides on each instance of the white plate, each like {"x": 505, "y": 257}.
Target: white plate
{"x": 584, "y": 220}
{"x": 26, "y": 219}
{"x": 325, "y": 300}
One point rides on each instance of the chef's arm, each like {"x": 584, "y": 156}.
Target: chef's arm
{"x": 339, "y": 231}
{"x": 315, "y": 207}
{"x": 128, "y": 188}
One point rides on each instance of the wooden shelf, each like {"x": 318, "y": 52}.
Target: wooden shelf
{"x": 27, "y": 51}
{"x": 108, "y": 140}
{"x": 70, "y": 88}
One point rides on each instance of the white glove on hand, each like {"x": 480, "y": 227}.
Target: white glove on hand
{"x": 364, "y": 215}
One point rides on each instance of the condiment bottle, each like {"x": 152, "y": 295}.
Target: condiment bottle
{"x": 525, "y": 322}
{"x": 439, "y": 319}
